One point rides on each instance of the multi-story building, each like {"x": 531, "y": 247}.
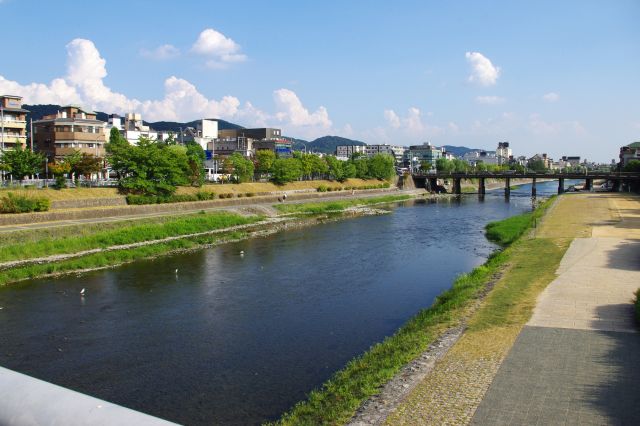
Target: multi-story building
{"x": 417, "y": 154}
{"x": 72, "y": 128}
{"x": 503, "y": 153}
{"x": 13, "y": 122}
{"x": 394, "y": 150}
{"x": 131, "y": 127}
{"x": 485, "y": 157}
{"x": 205, "y": 134}
{"x": 629, "y": 152}
{"x": 344, "y": 152}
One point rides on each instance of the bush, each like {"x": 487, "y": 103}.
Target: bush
{"x": 12, "y": 203}
{"x": 249, "y": 194}
{"x": 159, "y": 199}
{"x": 322, "y": 188}
{"x": 227, "y": 195}
{"x": 240, "y": 195}
{"x": 205, "y": 195}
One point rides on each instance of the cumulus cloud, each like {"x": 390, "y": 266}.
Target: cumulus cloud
{"x": 483, "y": 71}
{"x": 84, "y": 84}
{"x": 220, "y": 49}
{"x": 490, "y": 100}
{"x": 161, "y": 53}
{"x": 291, "y": 111}
{"x": 551, "y": 97}
{"x": 411, "y": 125}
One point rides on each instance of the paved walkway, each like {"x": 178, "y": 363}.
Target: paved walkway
{"x": 577, "y": 360}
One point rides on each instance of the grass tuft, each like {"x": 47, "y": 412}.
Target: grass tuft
{"x": 338, "y": 205}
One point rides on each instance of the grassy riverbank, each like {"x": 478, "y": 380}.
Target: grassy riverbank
{"x": 338, "y": 205}
{"x": 340, "y": 397}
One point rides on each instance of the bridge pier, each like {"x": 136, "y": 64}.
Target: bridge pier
{"x": 588, "y": 184}
{"x": 433, "y": 184}
{"x": 481, "y": 186}
{"x": 560, "y": 185}
{"x": 533, "y": 187}
{"x": 507, "y": 187}
{"x": 457, "y": 187}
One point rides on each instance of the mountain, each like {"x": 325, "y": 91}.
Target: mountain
{"x": 459, "y": 151}
{"x": 328, "y": 144}
{"x": 38, "y": 111}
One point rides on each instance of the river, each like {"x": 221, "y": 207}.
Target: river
{"x": 238, "y": 339}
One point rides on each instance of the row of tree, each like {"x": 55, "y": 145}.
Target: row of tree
{"x": 20, "y": 162}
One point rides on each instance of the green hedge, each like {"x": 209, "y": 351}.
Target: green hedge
{"x": 158, "y": 199}
{"x": 12, "y": 203}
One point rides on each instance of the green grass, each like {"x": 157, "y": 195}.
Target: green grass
{"x": 122, "y": 235}
{"x": 338, "y": 205}
{"x": 505, "y": 232}
{"x": 338, "y": 399}
{"x": 111, "y": 258}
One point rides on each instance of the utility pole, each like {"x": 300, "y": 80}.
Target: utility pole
{"x": 2, "y": 135}
{"x": 31, "y": 133}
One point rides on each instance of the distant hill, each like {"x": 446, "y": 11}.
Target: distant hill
{"x": 328, "y": 144}
{"x": 459, "y": 151}
{"x": 38, "y": 111}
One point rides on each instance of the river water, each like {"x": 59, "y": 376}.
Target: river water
{"x": 238, "y": 339}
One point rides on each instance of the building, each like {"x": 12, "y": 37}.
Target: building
{"x": 13, "y": 122}
{"x": 629, "y": 152}
{"x": 503, "y": 153}
{"x": 485, "y": 157}
{"x": 72, "y": 128}
{"x": 417, "y": 154}
{"x": 546, "y": 160}
{"x": 344, "y": 152}
{"x": 131, "y": 127}
{"x": 394, "y": 150}
{"x": 257, "y": 133}
{"x": 205, "y": 134}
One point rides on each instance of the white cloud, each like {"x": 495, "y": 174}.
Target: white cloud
{"x": 538, "y": 126}
{"x": 483, "y": 71}
{"x": 551, "y": 97}
{"x": 220, "y": 49}
{"x": 84, "y": 84}
{"x": 161, "y": 53}
{"x": 411, "y": 125}
{"x": 392, "y": 118}
{"x": 490, "y": 100}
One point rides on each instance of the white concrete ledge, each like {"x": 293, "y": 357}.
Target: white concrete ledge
{"x": 26, "y": 401}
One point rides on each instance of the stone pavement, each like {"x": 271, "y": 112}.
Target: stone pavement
{"x": 577, "y": 359}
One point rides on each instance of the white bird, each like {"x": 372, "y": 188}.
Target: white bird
{"x": 82, "y": 292}
{"x": 176, "y": 270}
{"x": 241, "y": 252}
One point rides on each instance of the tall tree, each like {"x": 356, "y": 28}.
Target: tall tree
{"x": 87, "y": 165}
{"x": 195, "y": 158}
{"x": 264, "y": 161}
{"x": 286, "y": 170}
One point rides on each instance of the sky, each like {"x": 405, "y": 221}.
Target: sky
{"x": 560, "y": 77}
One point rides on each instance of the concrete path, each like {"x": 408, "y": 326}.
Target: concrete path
{"x": 577, "y": 360}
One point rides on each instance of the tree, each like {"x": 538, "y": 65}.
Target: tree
{"x": 632, "y": 166}
{"x": 444, "y": 166}
{"x": 148, "y": 168}
{"x": 73, "y": 159}
{"x": 286, "y": 170}
{"x": 87, "y": 165}
{"x": 381, "y": 166}
{"x": 21, "y": 162}
{"x": 335, "y": 169}
{"x": 536, "y": 165}
{"x": 319, "y": 167}
{"x": 59, "y": 169}
{"x": 239, "y": 167}
{"x": 195, "y": 159}
{"x": 362, "y": 168}
{"x": 264, "y": 161}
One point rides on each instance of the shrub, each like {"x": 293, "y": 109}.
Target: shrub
{"x": 227, "y": 195}
{"x": 249, "y": 194}
{"x": 205, "y": 195}
{"x": 240, "y": 195}
{"x": 12, "y": 203}
{"x": 322, "y": 188}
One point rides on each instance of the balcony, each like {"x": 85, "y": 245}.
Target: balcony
{"x": 14, "y": 124}
{"x": 80, "y": 136}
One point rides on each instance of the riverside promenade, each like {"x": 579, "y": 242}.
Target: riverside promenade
{"x": 555, "y": 341}
{"x": 576, "y": 360}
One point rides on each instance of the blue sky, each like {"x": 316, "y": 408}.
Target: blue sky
{"x": 548, "y": 76}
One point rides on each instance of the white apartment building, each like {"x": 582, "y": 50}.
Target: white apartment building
{"x": 395, "y": 150}
{"x": 131, "y": 127}
{"x": 503, "y": 153}
{"x": 344, "y": 152}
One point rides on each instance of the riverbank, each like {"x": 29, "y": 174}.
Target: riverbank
{"x": 363, "y": 377}
{"x": 457, "y": 383}
{"x": 46, "y": 252}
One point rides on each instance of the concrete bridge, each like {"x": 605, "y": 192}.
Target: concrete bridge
{"x": 616, "y": 179}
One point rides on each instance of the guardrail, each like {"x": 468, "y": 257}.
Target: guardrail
{"x": 28, "y": 401}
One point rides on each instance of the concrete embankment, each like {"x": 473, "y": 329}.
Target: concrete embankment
{"x": 177, "y": 208}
